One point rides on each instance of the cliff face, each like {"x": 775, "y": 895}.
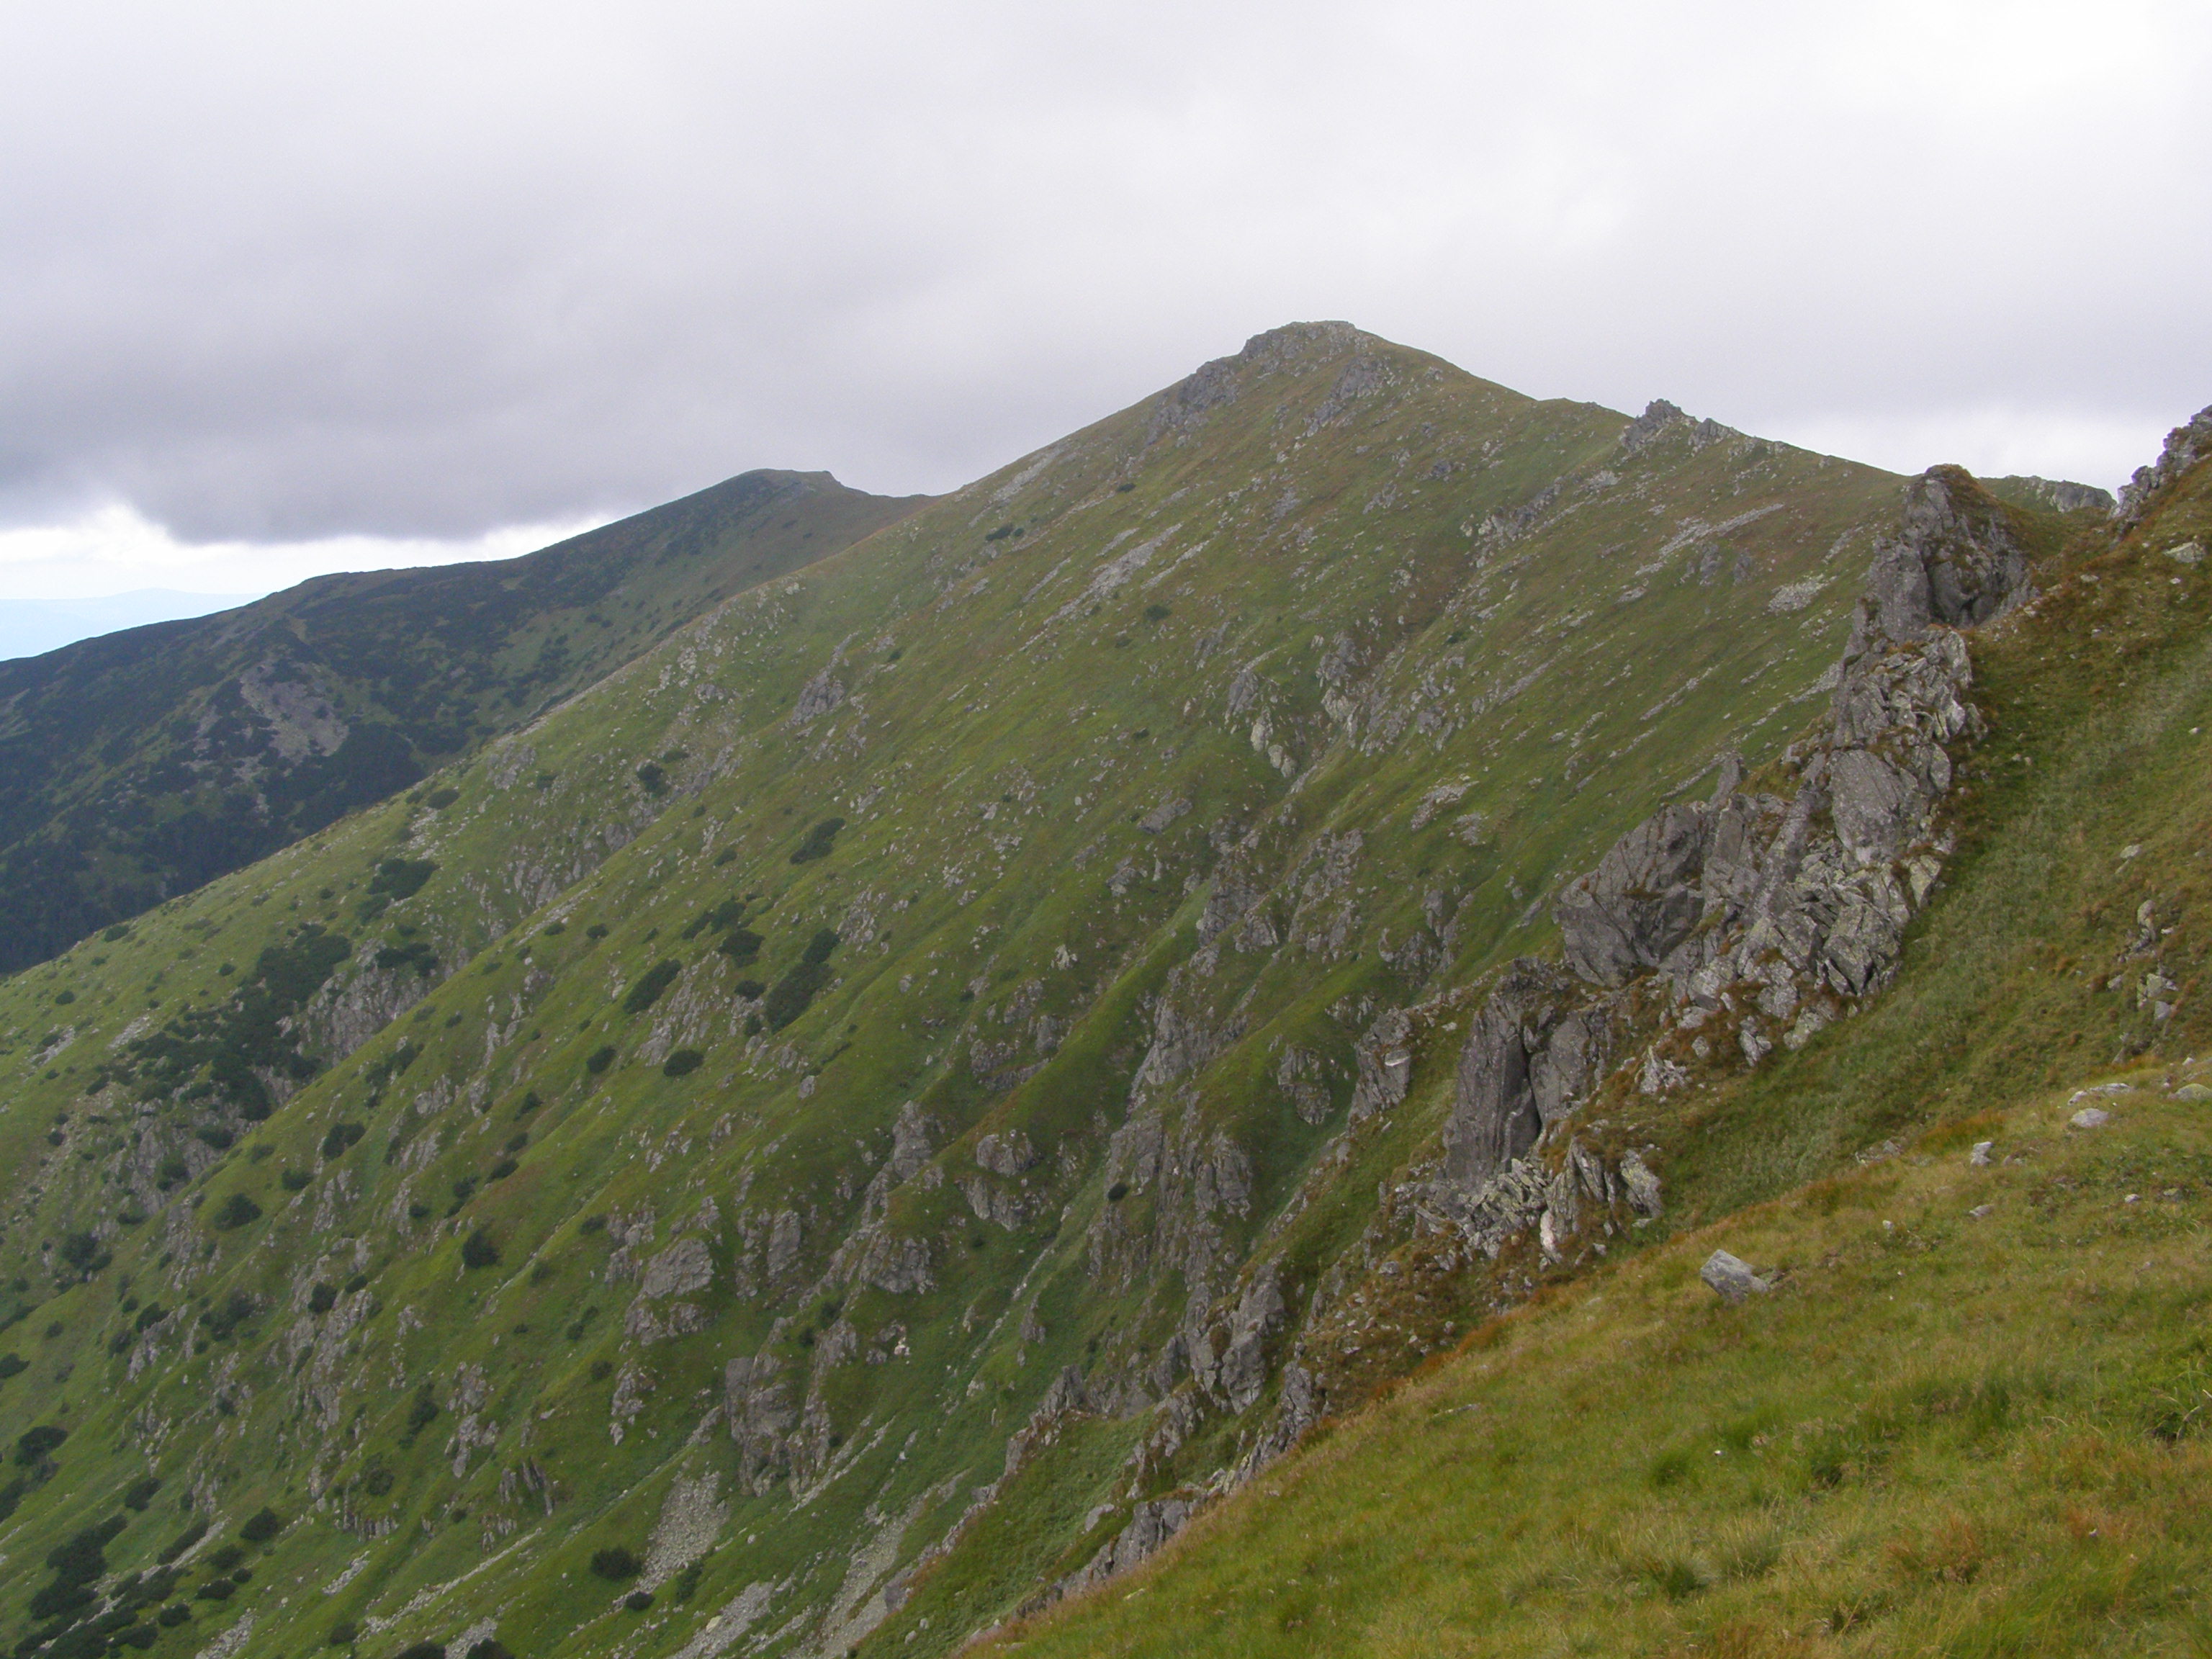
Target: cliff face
{"x": 903, "y": 1094}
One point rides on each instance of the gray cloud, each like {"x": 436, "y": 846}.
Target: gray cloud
{"x": 416, "y": 270}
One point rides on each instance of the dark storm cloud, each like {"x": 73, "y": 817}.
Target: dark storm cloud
{"x": 280, "y": 272}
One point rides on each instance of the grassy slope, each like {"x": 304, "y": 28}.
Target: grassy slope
{"x": 998, "y": 735}
{"x": 1941, "y": 1434}
{"x": 135, "y": 769}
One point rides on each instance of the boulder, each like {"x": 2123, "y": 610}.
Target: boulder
{"x": 1731, "y": 1279}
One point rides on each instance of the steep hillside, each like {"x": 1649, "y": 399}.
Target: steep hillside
{"x": 872, "y": 1115}
{"x": 1969, "y": 1414}
{"x": 138, "y": 765}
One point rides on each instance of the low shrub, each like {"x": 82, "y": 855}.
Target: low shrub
{"x": 818, "y": 842}
{"x": 617, "y": 1562}
{"x": 236, "y": 1210}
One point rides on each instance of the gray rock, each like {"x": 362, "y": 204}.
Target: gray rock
{"x": 2185, "y": 446}
{"x": 1731, "y": 1279}
{"x": 1163, "y": 815}
{"x": 1626, "y": 916}
{"x": 683, "y": 1267}
{"x": 1496, "y": 1116}
{"x": 1979, "y": 1158}
{"x": 818, "y": 696}
{"x": 1385, "y": 1060}
{"x": 1007, "y": 1154}
{"x": 1643, "y": 1186}
{"x": 2090, "y": 1117}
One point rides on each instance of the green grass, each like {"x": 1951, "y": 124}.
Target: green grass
{"x": 1941, "y": 1433}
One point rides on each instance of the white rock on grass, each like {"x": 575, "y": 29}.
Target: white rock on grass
{"x": 2090, "y": 1117}
{"x": 1980, "y": 1156}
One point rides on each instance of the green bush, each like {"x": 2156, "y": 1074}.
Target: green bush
{"x": 323, "y": 1297}
{"x": 647, "y": 992}
{"x": 342, "y": 1634}
{"x": 683, "y": 1063}
{"x": 236, "y": 1210}
{"x": 141, "y": 1492}
{"x": 724, "y": 914}
{"x": 173, "y": 1615}
{"x": 742, "y": 946}
{"x": 478, "y": 1251}
{"x": 237, "y": 1308}
{"x": 261, "y": 1526}
{"x": 818, "y": 842}
{"x": 415, "y": 955}
{"x": 214, "y": 1135}
{"x": 10, "y": 1364}
{"x": 788, "y": 998}
{"x": 294, "y": 1180}
{"x": 183, "y": 1541}
{"x": 439, "y": 800}
{"x": 33, "y": 1444}
{"x": 422, "y": 1412}
{"x": 653, "y": 780}
{"x": 616, "y": 1562}
{"x": 600, "y": 1059}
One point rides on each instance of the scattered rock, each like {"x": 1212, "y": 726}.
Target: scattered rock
{"x": 1731, "y": 1279}
{"x": 2192, "y": 1092}
{"x": 1980, "y": 1211}
{"x": 1980, "y": 1156}
{"x": 2090, "y": 1117}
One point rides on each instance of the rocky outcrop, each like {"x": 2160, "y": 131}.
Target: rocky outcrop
{"x": 2185, "y": 446}
{"x": 1811, "y": 893}
{"x": 1536, "y": 1048}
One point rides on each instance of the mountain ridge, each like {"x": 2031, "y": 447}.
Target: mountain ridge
{"x": 142, "y": 763}
{"x": 839, "y": 1129}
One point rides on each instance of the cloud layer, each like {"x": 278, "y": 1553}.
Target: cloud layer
{"x": 285, "y": 274}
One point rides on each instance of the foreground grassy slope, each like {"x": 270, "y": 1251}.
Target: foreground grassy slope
{"x": 1945, "y": 1430}
{"x": 1971, "y": 1419}
{"x": 140, "y": 765}
{"x": 710, "y": 1121}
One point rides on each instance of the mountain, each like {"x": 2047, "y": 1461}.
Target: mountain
{"x": 35, "y": 627}
{"x": 137, "y": 765}
{"x": 1010, "y": 1043}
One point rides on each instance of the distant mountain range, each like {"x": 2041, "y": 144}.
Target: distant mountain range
{"x": 137, "y": 765}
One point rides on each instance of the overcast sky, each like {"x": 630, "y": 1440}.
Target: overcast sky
{"x": 286, "y": 288}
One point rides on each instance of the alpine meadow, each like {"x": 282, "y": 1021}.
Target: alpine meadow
{"x": 1347, "y": 1012}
